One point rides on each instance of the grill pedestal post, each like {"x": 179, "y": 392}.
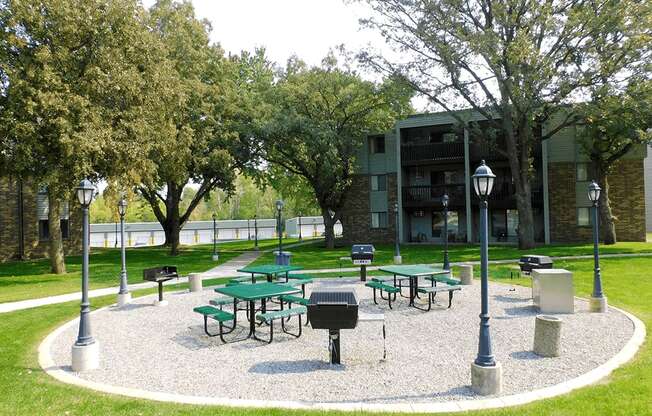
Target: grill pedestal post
{"x": 334, "y": 343}
{"x": 363, "y": 273}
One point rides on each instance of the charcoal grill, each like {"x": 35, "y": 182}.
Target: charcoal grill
{"x": 362, "y": 255}
{"x": 160, "y": 275}
{"x": 530, "y": 262}
{"x": 333, "y": 311}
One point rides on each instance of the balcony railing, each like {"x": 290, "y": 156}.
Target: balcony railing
{"x": 431, "y": 195}
{"x": 411, "y": 153}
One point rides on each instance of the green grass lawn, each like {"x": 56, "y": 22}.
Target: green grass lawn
{"x": 316, "y": 256}
{"x": 32, "y": 279}
{"x": 26, "y": 390}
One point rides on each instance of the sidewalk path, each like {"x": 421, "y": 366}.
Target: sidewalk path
{"x": 229, "y": 269}
{"x": 226, "y": 269}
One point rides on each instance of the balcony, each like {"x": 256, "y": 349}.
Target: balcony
{"x": 416, "y": 154}
{"x": 422, "y": 196}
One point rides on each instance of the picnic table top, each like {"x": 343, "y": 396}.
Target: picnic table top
{"x": 257, "y": 291}
{"x": 413, "y": 270}
{"x": 269, "y": 269}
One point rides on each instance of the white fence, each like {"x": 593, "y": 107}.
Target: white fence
{"x": 201, "y": 232}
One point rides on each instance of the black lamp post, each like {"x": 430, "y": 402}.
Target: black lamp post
{"x": 215, "y": 255}
{"x": 486, "y": 373}
{"x": 483, "y": 182}
{"x": 300, "y": 238}
{"x": 598, "y": 302}
{"x": 279, "y": 209}
{"x": 444, "y": 202}
{"x": 85, "y": 351}
{"x": 255, "y": 232}
{"x": 397, "y": 249}
{"x": 248, "y": 230}
{"x": 123, "y": 295}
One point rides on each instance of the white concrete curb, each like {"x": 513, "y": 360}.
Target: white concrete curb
{"x": 624, "y": 355}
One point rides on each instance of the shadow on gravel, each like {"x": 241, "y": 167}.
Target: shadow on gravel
{"x": 294, "y": 367}
{"x": 525, "y": 355}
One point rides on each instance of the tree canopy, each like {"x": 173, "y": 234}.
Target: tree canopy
{"x": 318, "y": 118}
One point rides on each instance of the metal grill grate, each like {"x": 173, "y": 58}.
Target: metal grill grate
{"x": 333, "y": 298}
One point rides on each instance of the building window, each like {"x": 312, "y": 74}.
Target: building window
{"x": 378, "y": 220}
{"x": 438, "y": 225}
{"x": 44, "y": 229}
{"x": 583, "y": 217}
{"x": 378, "y": 182}
{"x": 377, "y": 144}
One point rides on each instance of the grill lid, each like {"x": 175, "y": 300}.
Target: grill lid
{"x": 344, "y": 298}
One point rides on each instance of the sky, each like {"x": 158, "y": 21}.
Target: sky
{"x": 307, "y": 28}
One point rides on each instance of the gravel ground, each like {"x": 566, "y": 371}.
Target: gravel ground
{"x": 164, "y": 349}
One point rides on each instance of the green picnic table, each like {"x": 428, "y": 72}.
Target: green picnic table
{"x": 412, "y": 272}
{"x": 252, "y": 293}
{"x": 268, "y": 270}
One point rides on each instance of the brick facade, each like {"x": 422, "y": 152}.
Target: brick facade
{"x": 9, "y": 223}
{"x": 627, "y": 191}
{"x": 356, "y": 215}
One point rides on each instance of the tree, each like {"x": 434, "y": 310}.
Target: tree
{"x": 515, "y": 62}
{"x": 613, "y": 124}
{"x": 76, "y": 98}
{"x": 197, "y": 148}
{"x": 318, "y": 120}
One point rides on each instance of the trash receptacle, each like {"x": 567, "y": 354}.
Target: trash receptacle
{"x": 283, "y": 258}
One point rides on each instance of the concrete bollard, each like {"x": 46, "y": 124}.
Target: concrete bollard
{"x": 195, "y": 282}
{"x": 547, "y": 336}
{"x": 466, "y": 274}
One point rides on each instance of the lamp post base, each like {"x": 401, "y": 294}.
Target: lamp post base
{"x": 598, "y": 304}
{"x": 85, "y": 357}
{"x": 123, "y": 299}
{"x": 486, "y": 380}
{"x": 160, "y": 302}
{"x": 398, "y": 260}
{"x": 216, "y": 257}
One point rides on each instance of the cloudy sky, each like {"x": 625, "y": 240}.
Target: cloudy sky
{"x": 307, "y": 28}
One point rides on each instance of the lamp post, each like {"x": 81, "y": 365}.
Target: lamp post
{"x": 486, "y": 373}
{"x": 256, "y": 232}
{"x": 444, "y": 202}
{"x": 248, "y": 230}
{"x": 397, "y": 250}
{"x": 86, "y": 350}
{"x": 279, "y": 256}
{"x": 124, "y": 297}
{"x": 300, "y": 238}
{"x": 598, "y": 302}
{"x": 216, "y": 256}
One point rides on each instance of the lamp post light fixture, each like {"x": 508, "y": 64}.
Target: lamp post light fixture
{"x": 300, "y": 237}
{"x": 444, "y": 202}
{"x": 397, "y": 250}
{"x": 124, "y": 297}
{"x": 280, "y": 255}
{"x": 486, "y": 373}
{"x": 598, "y": 302}
{"x": 86, "y": 350}
{"x": 216, "y": 256}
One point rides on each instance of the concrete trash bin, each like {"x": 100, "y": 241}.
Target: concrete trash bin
{"x": 195, "y": 282}
{"x": 466, "y": 274}
{"x": 283, "y": 259}
{"x": 547, "y": 336}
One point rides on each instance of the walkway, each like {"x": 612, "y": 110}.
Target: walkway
{"x": 229, "y": 269}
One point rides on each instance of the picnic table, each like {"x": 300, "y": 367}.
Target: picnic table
{"x": 254, "y": 292}
{"x": 269, "y": 271}
{"x": 412, "y": 272}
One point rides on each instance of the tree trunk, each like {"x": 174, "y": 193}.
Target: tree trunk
{"x": 55, "y": 249}
{"x": 525, "y": 220}
{"x": 607, "y": 224}
{"x": 329, "y": 228}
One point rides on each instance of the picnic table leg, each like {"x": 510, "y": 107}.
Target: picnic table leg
{"x": 252, "y": 319}
{"x": 253, "y": 279}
